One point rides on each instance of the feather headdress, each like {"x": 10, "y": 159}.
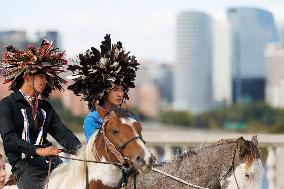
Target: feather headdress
{"x": 99, "y": 71}
{"x": 18, "y": 64}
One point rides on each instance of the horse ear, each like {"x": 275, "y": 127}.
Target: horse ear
{"x": 102, "y": 112}
{"x": 254, "y": 140}
{"x": 241, "y": 141}
{"x": 241, "y": 146}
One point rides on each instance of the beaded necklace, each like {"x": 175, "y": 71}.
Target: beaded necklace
{"x": 32, "y": 100}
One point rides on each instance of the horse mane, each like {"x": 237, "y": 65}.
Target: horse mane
{"x": 90, "y": 145}
{"x": 74, "y": 169}
{"x": 123, "y": 113}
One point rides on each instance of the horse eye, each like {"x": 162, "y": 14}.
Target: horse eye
{"x": 114, "y": 132}
{"x": 247, "y": 175}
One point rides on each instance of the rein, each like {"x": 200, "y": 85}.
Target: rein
{"x": 178, "y": 179}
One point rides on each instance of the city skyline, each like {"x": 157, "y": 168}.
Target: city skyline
{"x": 148, "y": 32}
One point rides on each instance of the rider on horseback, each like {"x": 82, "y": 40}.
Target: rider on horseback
{"x": 26, "y": 117}
{"x": 103, "y": 78}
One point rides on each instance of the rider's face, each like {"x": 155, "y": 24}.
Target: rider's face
{"x": 115, "y": 96}
{"x": 38, "y": 82}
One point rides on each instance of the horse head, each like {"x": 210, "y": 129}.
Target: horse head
{"x": 226, "y": 164}
{"x": 120, "y": 140}
{"x": 247, "y": 170}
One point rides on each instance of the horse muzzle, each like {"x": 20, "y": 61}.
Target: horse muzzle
{"x": 143, "y": 164}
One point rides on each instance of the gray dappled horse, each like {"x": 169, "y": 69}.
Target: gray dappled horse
{"x": 226, "y": 164}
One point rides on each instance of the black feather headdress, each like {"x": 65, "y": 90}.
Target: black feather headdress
{"x": 18, "y": 64}
{"x": 99, "y": 71}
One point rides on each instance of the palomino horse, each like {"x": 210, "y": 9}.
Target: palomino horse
{"x": 227, "y": 164}
{"x": 118, "y": 141}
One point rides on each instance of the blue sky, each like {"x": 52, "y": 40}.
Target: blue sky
{"x": 146, "y": 27}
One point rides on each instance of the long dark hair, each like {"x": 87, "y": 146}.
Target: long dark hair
{"x": 19, "y": 81}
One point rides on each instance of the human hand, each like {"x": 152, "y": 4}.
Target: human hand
{"x": 48, "y": 151}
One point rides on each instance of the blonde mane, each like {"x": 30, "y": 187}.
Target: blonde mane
{"x": 60, "y": 177}
{"x": 72, "y": 174}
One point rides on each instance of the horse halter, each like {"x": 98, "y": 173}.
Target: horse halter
{"x": 232, "y": 168}
{"x": 114, "y": 150}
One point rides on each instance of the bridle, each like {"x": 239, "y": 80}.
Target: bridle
{"x": 117, "y": 151}
{"x": 231, "y": 168}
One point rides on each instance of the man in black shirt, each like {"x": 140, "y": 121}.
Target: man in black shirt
{"x": 26, "y": 117}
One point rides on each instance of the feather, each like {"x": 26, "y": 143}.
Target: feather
{"x": 102, "y": 69}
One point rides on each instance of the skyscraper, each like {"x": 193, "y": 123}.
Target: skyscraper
{"x": 164, "y": 81}
{"x": 222, "y": 63}
{"x": 145, "y": 95}
{"x": 252, "y": 30}
{"x": 192, "y": 80}
{"x": 275, "y": 75}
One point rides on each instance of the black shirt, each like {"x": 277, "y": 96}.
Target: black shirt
{"x": 12, "y": 125}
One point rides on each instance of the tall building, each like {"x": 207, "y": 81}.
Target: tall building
{"x": 144, "y": 75}
{"x": 252, "y": 30}
{"x": 192, "y": 79}
{"x": 164, "y": 81}
{"x": 145, "y": 96}
{"x": 275, "y": 75}
{"x": 222, "y": 63}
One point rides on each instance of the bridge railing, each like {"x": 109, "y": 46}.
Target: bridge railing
{"x": 168, "y": 141}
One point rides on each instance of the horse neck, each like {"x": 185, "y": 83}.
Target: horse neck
{"x": 108, "y": 175}
{"x": 216, "y": 158}
{"x": 101, "y": 152}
